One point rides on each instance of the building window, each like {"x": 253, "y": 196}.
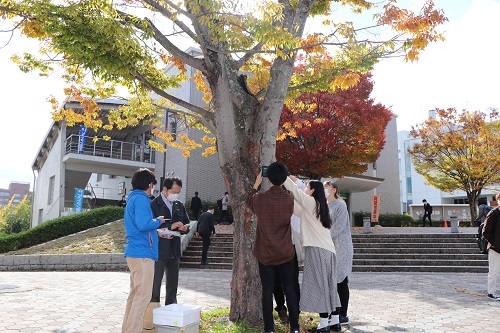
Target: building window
{"x": 52, "y": 183}
{"x": 40, "y": 215}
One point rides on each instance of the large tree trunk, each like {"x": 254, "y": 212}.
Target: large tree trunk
{"x": 240, "y": 152}
{"x": 246, "y": 131}
{"x": 472, "y": 197}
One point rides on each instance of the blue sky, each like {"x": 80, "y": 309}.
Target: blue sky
{"x": 461, "y": 72}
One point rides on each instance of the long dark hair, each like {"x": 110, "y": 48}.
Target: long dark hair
{"x": 322, "y": 212}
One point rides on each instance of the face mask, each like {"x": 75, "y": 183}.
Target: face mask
{"x": 172, "y": 196}
{"x": 327, "y": 193}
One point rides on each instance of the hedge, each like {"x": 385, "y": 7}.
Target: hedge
{"x": 60, "y": 227}
{"x": 387, "y": 220}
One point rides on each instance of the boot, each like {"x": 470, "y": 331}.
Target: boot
{"x": 148, "y": 315}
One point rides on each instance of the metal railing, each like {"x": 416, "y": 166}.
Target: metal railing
{"x": 121, "y": 150}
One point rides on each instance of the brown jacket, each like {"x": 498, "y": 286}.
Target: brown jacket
{"x": 273, "y": 240}
{"x": 491, "y": 229}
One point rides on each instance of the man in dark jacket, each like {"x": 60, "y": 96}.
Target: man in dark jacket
{"x": 195, "y": 205}
{"x": 491, "y": 231}
{"x": 169, "y": 250}
{"x": 427, "y": 212}
{"x": 204, "y": 229}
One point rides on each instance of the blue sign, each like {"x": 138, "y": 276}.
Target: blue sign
{"x": 78, "y": 205}
{"x": 82, "y": 138}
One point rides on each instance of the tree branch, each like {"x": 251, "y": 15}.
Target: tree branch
{"x": 165, "y": 42}
{"x": 162, "y": 10}
{"x": 197, "y": 111}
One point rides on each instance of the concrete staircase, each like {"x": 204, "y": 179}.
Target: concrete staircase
{"x": 220, "y": 253}
{"x": 374, "y": 253}
{"x": 457, "y": 253}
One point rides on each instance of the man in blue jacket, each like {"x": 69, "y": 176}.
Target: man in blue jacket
{"x": 141, "y": 249}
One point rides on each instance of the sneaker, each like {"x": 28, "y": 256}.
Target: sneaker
{"x": 494, "y": 297}
{"x": 344, "y": 320}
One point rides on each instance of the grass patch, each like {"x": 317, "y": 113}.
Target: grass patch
{"x": 217, "y": 321}
{"x": 108, "y": 238}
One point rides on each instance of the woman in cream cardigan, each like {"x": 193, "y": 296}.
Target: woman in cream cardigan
{"x": 319, "y": 287}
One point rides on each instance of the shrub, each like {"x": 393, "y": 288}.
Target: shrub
{"x": 60, "y": 227}
{"x": 386, "y": 220}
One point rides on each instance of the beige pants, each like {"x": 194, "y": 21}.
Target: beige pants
{"x": 141, "y": 286}
{"x": 494, "y": 270}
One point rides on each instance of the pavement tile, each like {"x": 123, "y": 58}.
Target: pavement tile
{"x": 77, "y": 302}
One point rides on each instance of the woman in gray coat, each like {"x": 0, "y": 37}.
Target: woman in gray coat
{"x": 341, "y": 236}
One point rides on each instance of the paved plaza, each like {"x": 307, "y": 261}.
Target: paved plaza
{"x": 70, "y": 302}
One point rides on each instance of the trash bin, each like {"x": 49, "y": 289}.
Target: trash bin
{"x": 366, "y": 224}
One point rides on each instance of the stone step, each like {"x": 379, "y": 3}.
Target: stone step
{"x": 452, "y": 256}
{"x": 190, "y": 253}
{"x": 197, "y": 259}
{"x": 226, "y": 248}
{"x": 368, "y": 236}
{"x": 417, "y": 262}
{"x": 423, "y": 269}
{"x": 387, "y": 250}
{"x": 412, "y": 240}
{"x": 415, "y": 245}
{"x": 213, "y": 240}
{"x": 212, "y": 243}
{"x": 209, "y": 266}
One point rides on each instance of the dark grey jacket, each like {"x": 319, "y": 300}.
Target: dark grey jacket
{"x": 491, "y": 229}
{"x": 169, "y": 248}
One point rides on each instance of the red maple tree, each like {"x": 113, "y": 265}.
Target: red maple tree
{"x": 333, "y": 135}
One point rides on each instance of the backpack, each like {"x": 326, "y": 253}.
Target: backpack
{"x": 482, "y": 243}
{"x": 219, "y": 204}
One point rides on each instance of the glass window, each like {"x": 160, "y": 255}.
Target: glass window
{"x": 52, "y": 183}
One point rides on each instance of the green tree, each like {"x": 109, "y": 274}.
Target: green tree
{"x": 15, "y": 218}
{"x": 245, "y": 69}
{"x": 458, "y": 151}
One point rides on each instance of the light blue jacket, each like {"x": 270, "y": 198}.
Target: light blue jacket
{"x": 140, "y": 226}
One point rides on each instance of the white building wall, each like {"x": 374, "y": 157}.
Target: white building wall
{"x": 385, "y": 168}
{"x": 52, "y": 167}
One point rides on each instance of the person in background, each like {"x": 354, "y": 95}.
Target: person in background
{"x": 195, "y": 205}
{"x": 273, "y": 245}
{"x": 205, "y": 229}
{"x": 225, "y": 211}
{"x": 319, "y": 287}
{"x": 491, "y": 231}
{"x": 341, "y": 236}
{"x": 141, "y": 249}
{"x": 122, "y": 202}
{"x": 483, "y": 210}
{"x": 169, "y": 249}
{"x": 427, "y": 212}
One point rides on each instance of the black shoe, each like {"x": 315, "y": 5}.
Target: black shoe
{"x": 344, "y": 320}
{"x": 204, "y": 262}
{"x": 335, "y": 328}
{"x": 295, "y": 331}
